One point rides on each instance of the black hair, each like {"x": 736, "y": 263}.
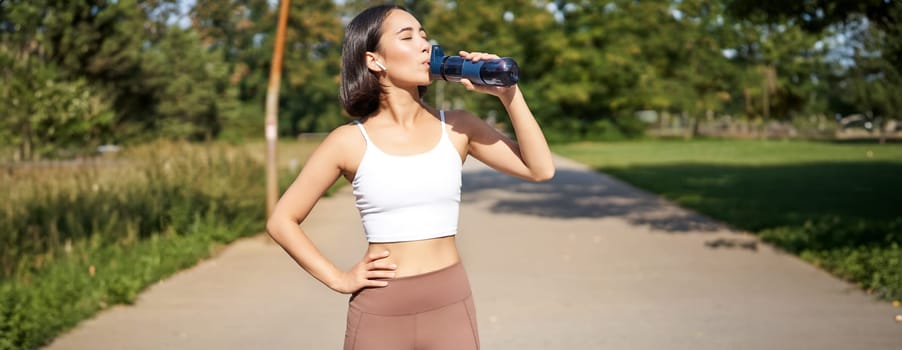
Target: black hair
{"x": 360, "y": 89}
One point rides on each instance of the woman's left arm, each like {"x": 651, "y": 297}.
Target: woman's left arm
{"x": 528, "y": 158}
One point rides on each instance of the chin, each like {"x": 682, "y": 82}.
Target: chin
{"x": 426, "y": 81}
{"x": 417, "y": 83}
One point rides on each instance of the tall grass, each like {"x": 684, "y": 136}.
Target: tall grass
{"x": 76, "y": 239}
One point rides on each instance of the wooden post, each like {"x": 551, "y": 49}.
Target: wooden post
{"x": 272, "y": 109}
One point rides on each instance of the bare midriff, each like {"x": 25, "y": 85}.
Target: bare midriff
{"x": 419, "y": 257}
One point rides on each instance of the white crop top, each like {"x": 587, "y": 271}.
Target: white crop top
{"x": 408, "y": 198}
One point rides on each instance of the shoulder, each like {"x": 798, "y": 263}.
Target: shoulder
{"x": 466, "y": 123}
{"x": 344, "y": 133}
{"x": 342, "y": 141}
{"x": 462, "y": 120}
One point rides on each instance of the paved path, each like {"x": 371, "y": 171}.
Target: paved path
{"x": 581, "y": 262}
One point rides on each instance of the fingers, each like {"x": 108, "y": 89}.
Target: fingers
{"x": 379, "y": 274}
{"x": 372, "y": 269}
{"x": 477, "y": 56}
{"x": 375, "y": 261}
{"x": 491, "y": 90}
{"x": 468, "y": 84}
{"x": 375, "y": 256}
{"x": 374, "y": 278}
{"x": 381, "y": 265}
{"x": 375, "y": 283}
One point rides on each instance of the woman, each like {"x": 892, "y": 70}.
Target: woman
{"x": 404, "y": 160}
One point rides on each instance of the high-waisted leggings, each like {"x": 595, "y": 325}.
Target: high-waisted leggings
{"x": 432, "y": 311}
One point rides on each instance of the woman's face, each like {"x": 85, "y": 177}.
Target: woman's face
{"x": 404, "y": 50}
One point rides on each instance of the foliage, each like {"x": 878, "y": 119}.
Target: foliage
{"x": 43, "y": 106}
{"x": 592, "y": 65}
{"x": 79, "y": 238}
{"x": 95, "y": 277}
{"x": 83, "y": 73}
{"x": 587, "y": 67}
{"x": 188, "y": 92}
{"x": 872, "y": 84}
{"x": 45, "y": 114}
{"x": 835, "y": 205}
{"x": 874, "y": 27}
{"x": 244, "y": 32}
{"x": 85, "y": 235}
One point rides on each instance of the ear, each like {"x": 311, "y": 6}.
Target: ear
{"x": 373, "y": 62}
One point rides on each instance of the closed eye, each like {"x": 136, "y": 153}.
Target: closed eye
{"x": 410, "y": 30}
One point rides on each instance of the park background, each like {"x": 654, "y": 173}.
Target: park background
{"x": 131, "y": 131}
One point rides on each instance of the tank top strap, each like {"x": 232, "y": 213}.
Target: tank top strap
{"x": 441, "y": 114}
{"x": 363, "y": 131}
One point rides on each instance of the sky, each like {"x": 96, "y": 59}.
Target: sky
{"x": 184, "y": 7}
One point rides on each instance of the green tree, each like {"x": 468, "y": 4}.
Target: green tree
{"x": 696, "y": 79}
{"x": 49, "y": 107}
{"x": 47, "y": 116}
{"x": 244, "y": 30}
{"x": 235, "y": 28}
{"x": 878, "y": 53}
{"x": 872, "y": 84}
{"x": 186, "y": 93}
{"x": 129, "y": 57}
{"x": 781, "y": 64}
{"x": 312, "y": 63}
{"x": 514, "y": 28}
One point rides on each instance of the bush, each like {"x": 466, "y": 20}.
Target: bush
{"x": 876, "y": 269}
{"x": 861, "y": 251}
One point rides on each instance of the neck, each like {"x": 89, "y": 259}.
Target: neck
{"x": 400, "y": 105}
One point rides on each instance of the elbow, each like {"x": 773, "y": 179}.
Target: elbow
{"x": 272, "y": 227}
{"x": 278, "y": 226}
{"x": 544, "y": 175}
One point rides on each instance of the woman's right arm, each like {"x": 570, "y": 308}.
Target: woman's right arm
{"x": 320, "y": 172}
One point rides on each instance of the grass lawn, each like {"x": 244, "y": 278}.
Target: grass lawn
{"x": 836, "y": 205}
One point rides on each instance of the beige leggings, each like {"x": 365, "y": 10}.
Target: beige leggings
{"x": 432, "y": 311}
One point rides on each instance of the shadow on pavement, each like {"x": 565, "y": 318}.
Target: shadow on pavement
{"x": 574, "y": 194}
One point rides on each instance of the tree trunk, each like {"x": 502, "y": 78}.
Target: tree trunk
{"x": 695, "y": 123}
{"x": 26, "y": 143}
{"x": 689, "y": 133}
{"x": 770, "y": 86}
{"x": 748, "y": 102}
{"x": 765, "y": 104}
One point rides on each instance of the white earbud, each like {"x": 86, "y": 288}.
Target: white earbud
{"x": 381, "y": 66}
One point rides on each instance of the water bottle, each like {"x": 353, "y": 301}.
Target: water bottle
{"x": 497, "y": 72}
